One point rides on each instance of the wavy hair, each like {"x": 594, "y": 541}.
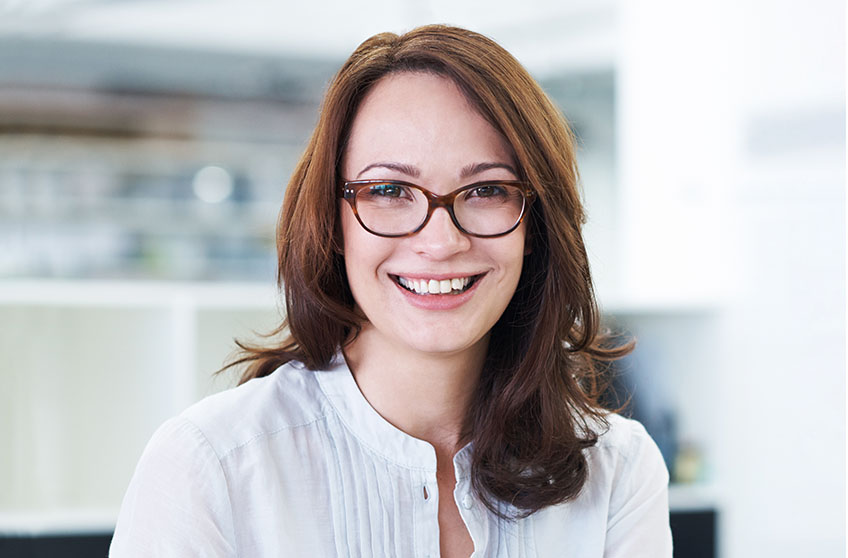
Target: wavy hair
{"x": 536, "y": 405}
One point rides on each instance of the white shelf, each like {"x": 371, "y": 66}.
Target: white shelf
{"x": 628, "y": 303}
{"x": 693, "y": 497}
{"x": 137, "y": 294}
{"x": 71, "y": 521}
{"x": 245, "y": 296}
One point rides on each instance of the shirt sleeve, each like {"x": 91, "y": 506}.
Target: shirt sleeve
{"x": 177, "y": 503}
{"x": 638, "y": 523}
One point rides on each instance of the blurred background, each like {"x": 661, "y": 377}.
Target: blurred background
{"x": 144, "y": 151}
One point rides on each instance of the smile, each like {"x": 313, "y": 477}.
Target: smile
{"x": 452, "y": 286}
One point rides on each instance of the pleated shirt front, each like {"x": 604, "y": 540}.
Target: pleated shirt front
{"x": 299, "y": 464}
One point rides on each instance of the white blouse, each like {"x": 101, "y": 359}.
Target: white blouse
{"x": 299, "y": 464}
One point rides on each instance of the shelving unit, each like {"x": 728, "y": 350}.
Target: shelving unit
{"x": 113, "y": 361}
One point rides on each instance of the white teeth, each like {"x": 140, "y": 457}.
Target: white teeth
{"x": 434, "y": 286}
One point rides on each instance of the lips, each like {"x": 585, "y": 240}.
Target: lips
{"x": 446, "y": 286}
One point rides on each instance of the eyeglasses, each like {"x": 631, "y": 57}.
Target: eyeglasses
{"x": 392, "y": 208}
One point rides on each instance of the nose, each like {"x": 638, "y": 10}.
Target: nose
{"x": 440, "y": 239}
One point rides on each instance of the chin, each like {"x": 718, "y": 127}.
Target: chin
{"x": 442, "y": 345}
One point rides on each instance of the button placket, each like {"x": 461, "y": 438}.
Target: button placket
{"x": 428, "y": 528}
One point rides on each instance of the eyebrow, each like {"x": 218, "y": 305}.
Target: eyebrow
{"x": 410, "y": 170}
{"x": 476, "y": 168}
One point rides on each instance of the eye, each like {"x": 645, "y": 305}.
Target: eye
{"x": 388, "y": 190}
{"x": 487, "y": 191}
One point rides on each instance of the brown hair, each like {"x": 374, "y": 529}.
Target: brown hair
{"x": 536, "y": 406}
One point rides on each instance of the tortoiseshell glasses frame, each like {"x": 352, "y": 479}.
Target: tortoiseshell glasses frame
{"x": 350, "y": 191}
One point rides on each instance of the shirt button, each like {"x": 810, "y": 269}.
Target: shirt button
{"x": 467, "y": 502}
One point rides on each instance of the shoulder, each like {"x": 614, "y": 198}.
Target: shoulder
{"x": 628, "y": 475}
{"x": 623, "y": 436}
{"x": 290, "y": 397}
{"x": 181, "y": 486}
{"x": 624, "y": 444}
{"x": 626, "y": 463}
{"x": 622, "y": 508}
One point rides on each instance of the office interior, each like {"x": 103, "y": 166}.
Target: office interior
{"x": 144, "y": 152}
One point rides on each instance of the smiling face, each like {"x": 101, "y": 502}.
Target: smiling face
{"x": 438, "y": 291}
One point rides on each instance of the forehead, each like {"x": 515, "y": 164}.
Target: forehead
{"x": 425, "y": 120}
{"x": 419, "y": 90}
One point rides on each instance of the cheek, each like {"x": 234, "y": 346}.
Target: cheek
{"x": 363, "y": 252}
{"x": 514, "y": 253}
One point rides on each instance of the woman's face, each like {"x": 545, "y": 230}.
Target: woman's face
{"x": 419, "y": 128}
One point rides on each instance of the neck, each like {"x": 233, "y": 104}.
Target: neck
{"x": 425, "y": 395}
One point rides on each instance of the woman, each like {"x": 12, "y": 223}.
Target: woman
{"x": 436, "y": 392}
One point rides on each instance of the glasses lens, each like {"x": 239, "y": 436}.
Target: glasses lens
{"x": 489, "y": 209}
{"x": 390, "y": 208}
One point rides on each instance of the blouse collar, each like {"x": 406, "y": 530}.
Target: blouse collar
{"x": 368, "y": 426}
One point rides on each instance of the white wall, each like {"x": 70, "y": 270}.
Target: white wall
{"x": 732, "y": 162}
